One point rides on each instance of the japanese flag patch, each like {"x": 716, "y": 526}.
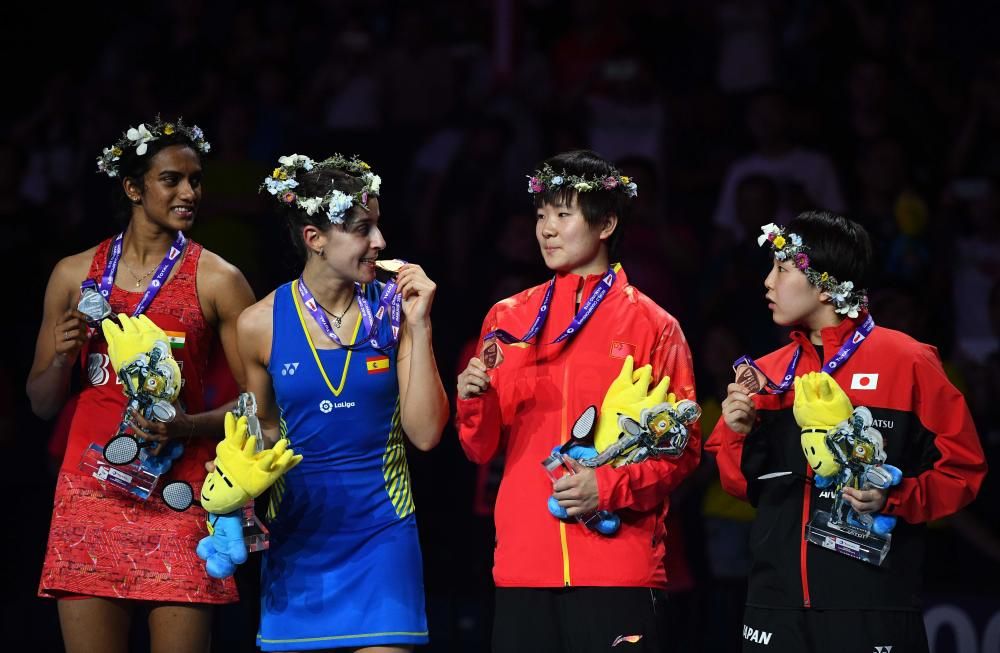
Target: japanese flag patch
{"x": 864, "y": 381}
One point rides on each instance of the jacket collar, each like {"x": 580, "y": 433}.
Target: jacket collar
{"x": 834, "y": 336}
{"x": 573, "y": 282}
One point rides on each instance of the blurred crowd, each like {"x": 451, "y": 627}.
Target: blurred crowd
{"x": 729, "y": 114}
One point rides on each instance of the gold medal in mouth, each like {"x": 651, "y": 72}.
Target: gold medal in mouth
{"x": 389, "y": 266}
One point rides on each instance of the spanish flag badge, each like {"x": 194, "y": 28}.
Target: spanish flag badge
{"x": 377, "y": 364}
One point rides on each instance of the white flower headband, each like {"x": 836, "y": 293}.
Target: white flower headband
{"x": 789, "y": 247}
{"x": 139, "y": 138}
{"x": 338, "y": 203}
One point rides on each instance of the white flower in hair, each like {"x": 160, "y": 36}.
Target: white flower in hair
{"x": 296, "y": 161}
{"x": 374, "y": 181}
{"x": 140, "y": 136}
{"x": 311, "y": 205}
{"x": 767, "y": 230}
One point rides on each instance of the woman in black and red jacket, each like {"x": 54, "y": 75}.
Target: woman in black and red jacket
{"x": 803, "y": 597}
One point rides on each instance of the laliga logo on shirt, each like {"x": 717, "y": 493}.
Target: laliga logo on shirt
{"x": 325, "y": 406}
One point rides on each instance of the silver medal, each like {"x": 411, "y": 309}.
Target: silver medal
{"x": 94, "y": 306}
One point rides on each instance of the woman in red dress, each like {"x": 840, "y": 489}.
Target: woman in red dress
{"x": 108, "y": 550}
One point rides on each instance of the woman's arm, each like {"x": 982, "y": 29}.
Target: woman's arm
{"x": 62, "y": 334}
{"x": 253, "y": 332}
{"x": 423, "y": 404}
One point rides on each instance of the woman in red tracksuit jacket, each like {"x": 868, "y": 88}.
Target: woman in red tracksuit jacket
{"x": 803, "y": 597}
{"x": 561, "y": 586}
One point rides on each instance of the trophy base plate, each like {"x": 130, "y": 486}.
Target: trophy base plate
{"x": 848, "y": 540}
{"x": 131, "y": 478}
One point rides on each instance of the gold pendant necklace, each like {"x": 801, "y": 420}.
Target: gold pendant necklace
{"x": 138, "y": 279}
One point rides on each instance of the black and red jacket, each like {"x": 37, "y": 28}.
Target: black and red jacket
{"x": 928, "y": 434}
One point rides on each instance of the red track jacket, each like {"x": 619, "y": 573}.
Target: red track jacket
{"x": 535, "y": 397}
{"x": 928, "y": 434}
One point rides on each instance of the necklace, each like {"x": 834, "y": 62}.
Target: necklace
{"x": 138, "y": 279}
{"x": 336, "y": 318}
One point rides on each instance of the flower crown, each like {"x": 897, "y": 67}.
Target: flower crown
{"x": 338, "y": 203}
{"x": 139, "y": 137}
{"x": 548, "y": 179}
{"x": 789, "y": 247}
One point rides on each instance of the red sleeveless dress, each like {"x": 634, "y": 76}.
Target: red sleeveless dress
{"x": 103, "y": 541}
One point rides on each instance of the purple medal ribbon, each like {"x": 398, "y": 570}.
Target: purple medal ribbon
{"x": 843, "y": 354}
{"x": 588, "y": 308}
{"x": 389, "y": 303}
{"x": 159, "y": 278}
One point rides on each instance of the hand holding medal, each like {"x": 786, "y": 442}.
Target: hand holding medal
{"x": 474, "y": 379}
{"x": 70, "y": 334}
{"x": 738, "y": 409}
{"x": 416, "y": 289}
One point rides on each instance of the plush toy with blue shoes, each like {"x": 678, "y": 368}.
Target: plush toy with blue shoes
{"x": 634, "y": 424}
{"x": 241, "y": 473}
{"x": 842, "y": 448}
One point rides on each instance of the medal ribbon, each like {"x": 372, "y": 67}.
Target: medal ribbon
{"x": 389, "y": 303}
{"x": 159, "y": 278}
{"x": 843, "y": 354}
{"x": 588, "y": 308}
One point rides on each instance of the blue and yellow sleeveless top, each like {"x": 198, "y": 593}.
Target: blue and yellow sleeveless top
{"x": 340, "y": 409}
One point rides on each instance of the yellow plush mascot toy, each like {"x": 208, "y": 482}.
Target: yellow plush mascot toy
{"x": 635, "y": 423}
{"x": 241, "y": 473}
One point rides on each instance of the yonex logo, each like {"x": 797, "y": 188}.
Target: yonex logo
{"x": 883, "y": 649}
{"x": 288, "y": 369}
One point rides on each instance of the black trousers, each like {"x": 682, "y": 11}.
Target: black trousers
{"x": 577, "y": 620}
{"x": 833, "y": 631}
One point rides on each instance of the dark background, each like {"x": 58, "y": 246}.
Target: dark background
{"x": 887, "y": 111}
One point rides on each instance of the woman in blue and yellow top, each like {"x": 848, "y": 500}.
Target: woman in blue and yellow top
{"x": 337, "y": 371}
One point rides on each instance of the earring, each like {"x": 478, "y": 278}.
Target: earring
{"x": 321, "y": 250}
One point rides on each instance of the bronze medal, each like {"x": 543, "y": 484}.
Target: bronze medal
{"x": 492, "y": 355}
{"x": 750, "y": 378}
